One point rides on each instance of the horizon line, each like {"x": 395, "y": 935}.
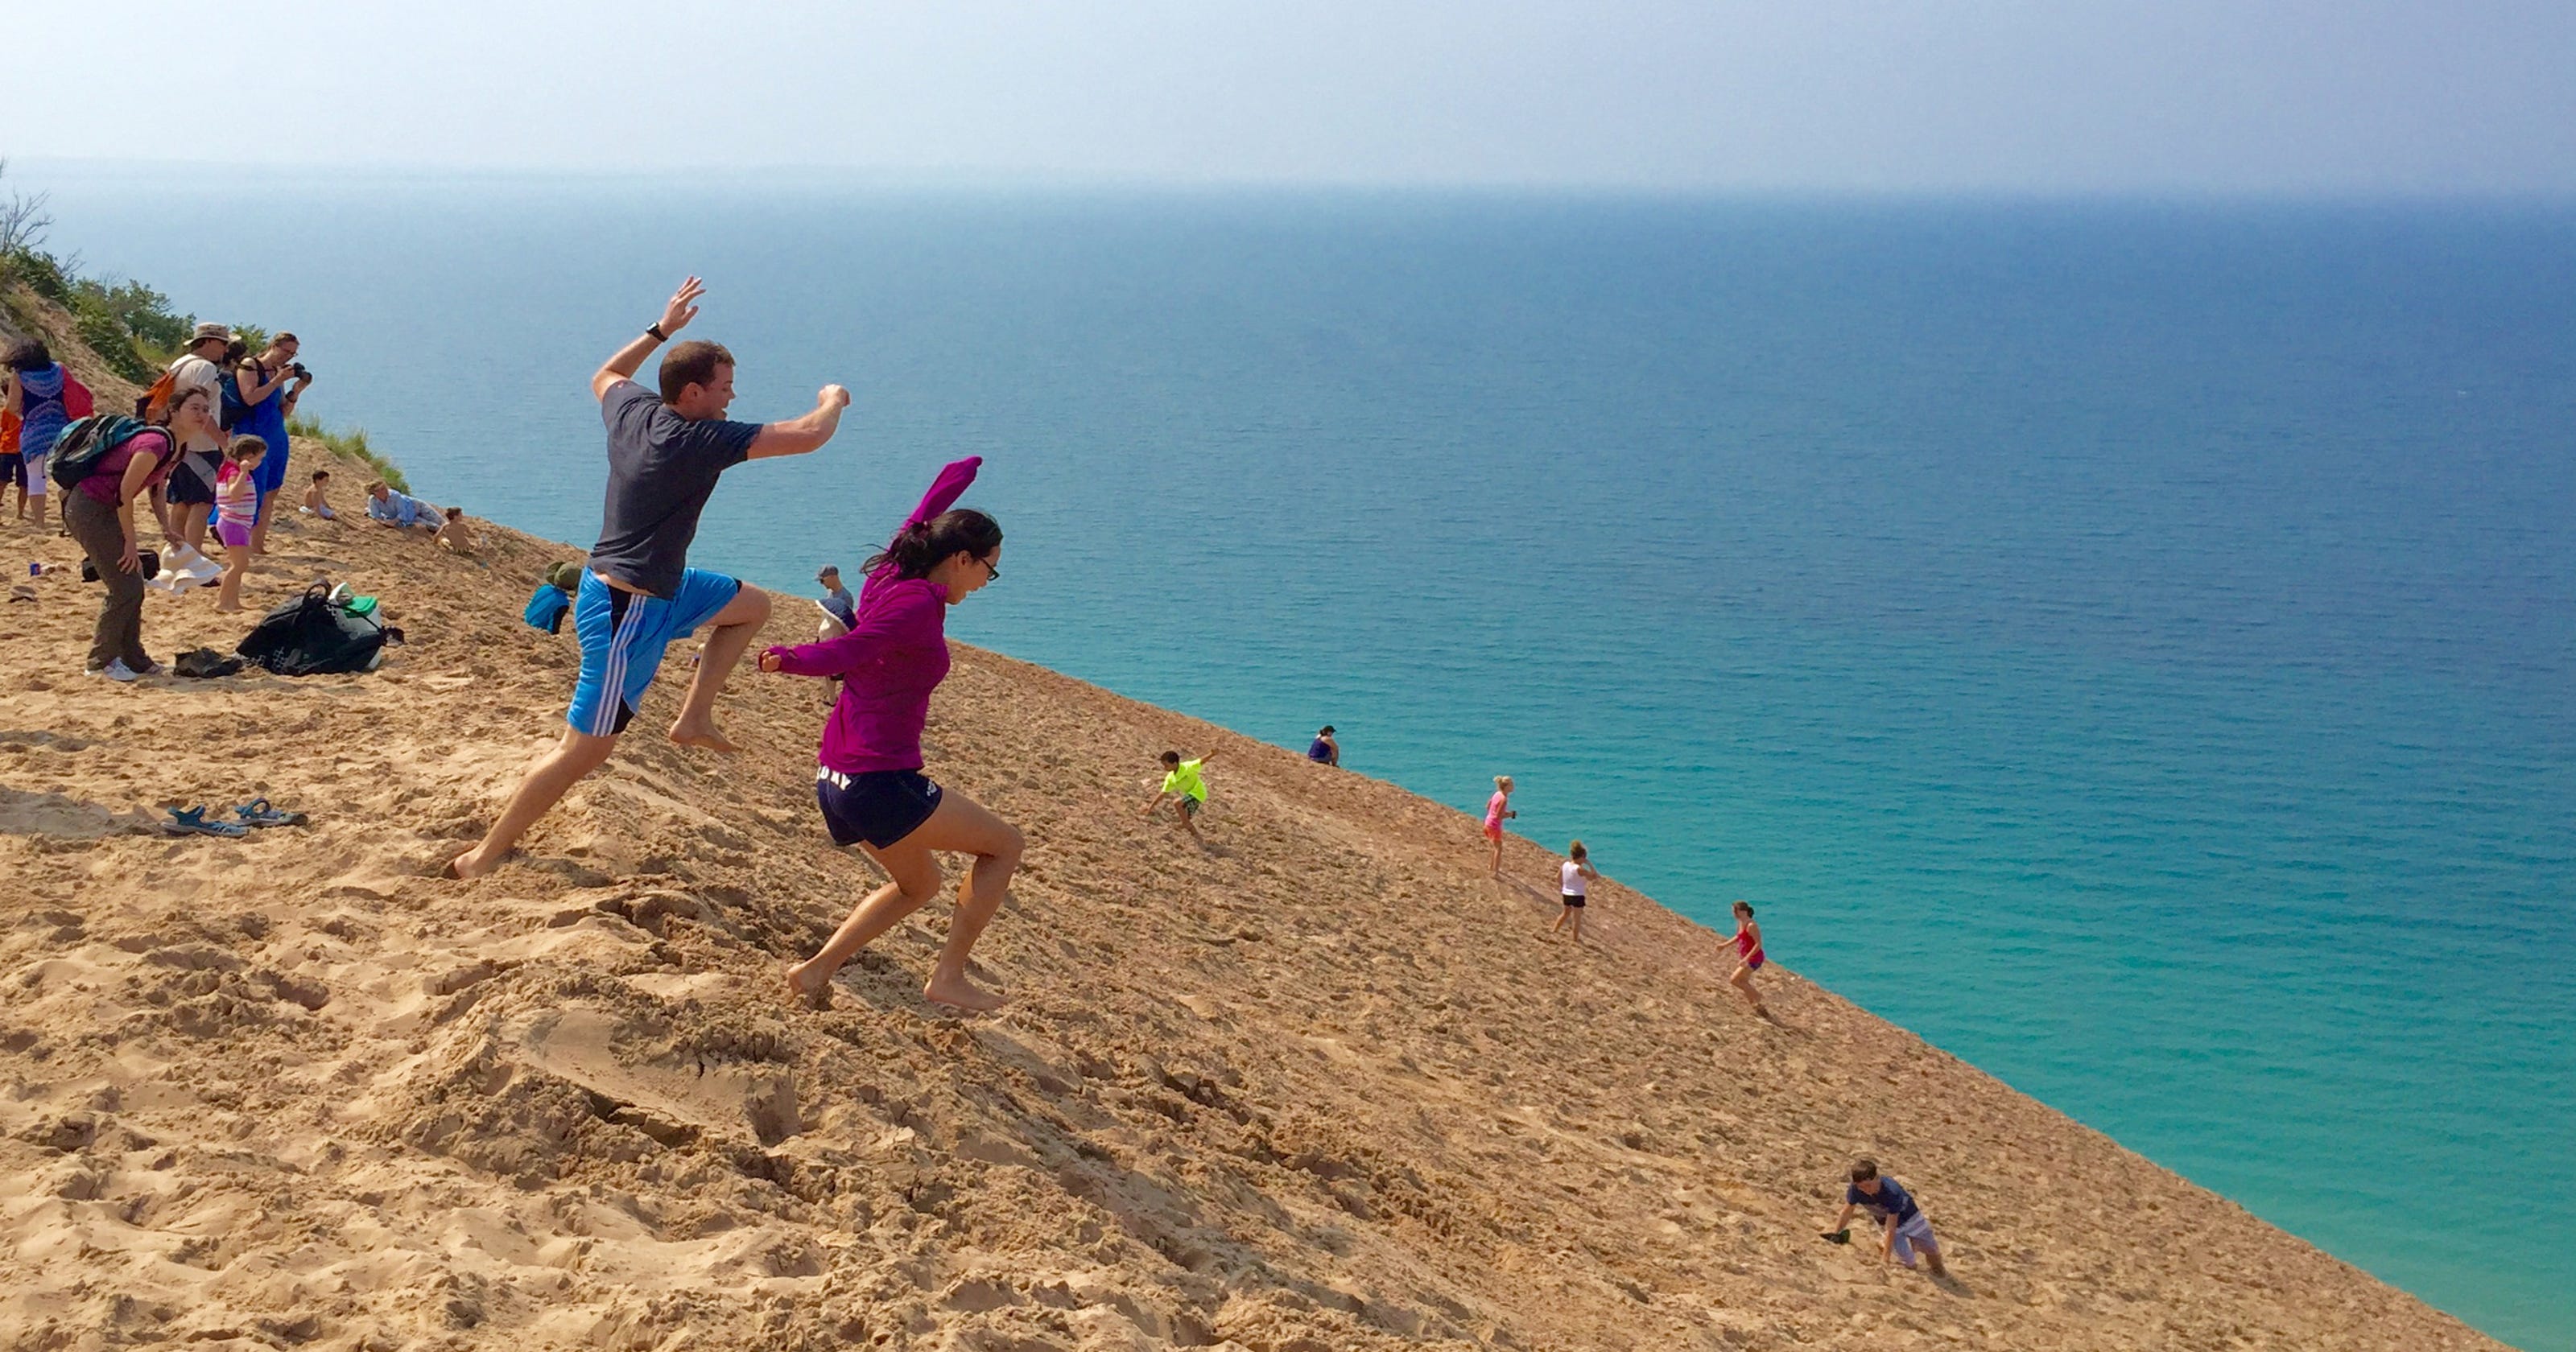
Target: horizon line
{"x": 842, "y": 176}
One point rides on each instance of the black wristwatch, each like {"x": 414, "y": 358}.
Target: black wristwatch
{"x": 654, "y": 331}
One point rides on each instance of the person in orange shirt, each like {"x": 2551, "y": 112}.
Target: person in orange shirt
{"x": 13, "y": 466}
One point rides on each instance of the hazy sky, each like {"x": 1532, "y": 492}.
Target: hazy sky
{"x": 2044, "y": 95}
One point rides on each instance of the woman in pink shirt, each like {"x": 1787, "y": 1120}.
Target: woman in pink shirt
{"x": 869, "y": 783}
{"x": 1498, "y": 808}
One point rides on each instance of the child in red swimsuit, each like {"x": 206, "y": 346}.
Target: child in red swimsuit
{"x": 1748, "y": 955}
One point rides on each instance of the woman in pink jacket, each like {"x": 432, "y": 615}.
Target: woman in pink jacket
{"x": 869, "y": 783}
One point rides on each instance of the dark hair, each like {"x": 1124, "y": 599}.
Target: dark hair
{"x": 691, "y": 363}
{"x": 1171, "y": 758}
{"x": 244, "y": 447}
{"x": 921, "y": 545}
{"x": 1864, "y": 1170}
{"x": 1744, "y": 906}
{"x": 236, "y": 352}
{"x": 455, "y": 513}
{"x": 171, "y": 409}
{"x": 29, "y": 354}
{"x": 1325, "y": 731}
{"x": 320, "y": 474}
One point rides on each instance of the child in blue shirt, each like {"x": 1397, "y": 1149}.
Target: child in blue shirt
{"x": 1904, "y": 1232}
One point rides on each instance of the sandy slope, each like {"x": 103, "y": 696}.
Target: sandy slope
{"x": 1318, "y": 1087}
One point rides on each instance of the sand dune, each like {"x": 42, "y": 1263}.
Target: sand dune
{"x": 1318, "y": 1086}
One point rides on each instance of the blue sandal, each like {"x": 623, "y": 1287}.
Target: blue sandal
{"x": 259, "y": 813}
{"x": 192, "y": 822}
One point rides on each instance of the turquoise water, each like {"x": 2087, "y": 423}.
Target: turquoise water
{"x": 2129, "y": 645}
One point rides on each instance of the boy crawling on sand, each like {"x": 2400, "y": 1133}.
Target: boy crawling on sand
{"x": 1903, "y": 1231}
{"x": 1184, "y": 787}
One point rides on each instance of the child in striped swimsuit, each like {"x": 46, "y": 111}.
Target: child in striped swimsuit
{"x": 236, "y": 511}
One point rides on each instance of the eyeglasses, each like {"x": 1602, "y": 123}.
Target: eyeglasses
{"x": 992, "y": 570}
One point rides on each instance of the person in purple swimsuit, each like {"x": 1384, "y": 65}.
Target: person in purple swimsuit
{"x": 869, "y": 781}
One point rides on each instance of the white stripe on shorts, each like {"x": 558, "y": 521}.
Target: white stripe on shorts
{"x": 604, "y": 718}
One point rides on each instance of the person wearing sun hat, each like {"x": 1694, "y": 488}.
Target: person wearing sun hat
{"x": 191, "y": 486}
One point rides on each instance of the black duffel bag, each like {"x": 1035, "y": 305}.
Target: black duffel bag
{"x": 314, "y": 635}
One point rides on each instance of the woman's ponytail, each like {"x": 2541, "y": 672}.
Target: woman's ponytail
{"x": 918, "y": 548}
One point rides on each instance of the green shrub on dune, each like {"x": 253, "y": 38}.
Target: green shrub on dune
{"x": 352, "y": 443}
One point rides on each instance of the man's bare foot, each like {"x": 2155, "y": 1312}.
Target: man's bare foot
{"x": 802, "y": 996}
{"x": 702, "y": 735}
{"x": 957, "y": 992}
{"x": 471, "y": 865}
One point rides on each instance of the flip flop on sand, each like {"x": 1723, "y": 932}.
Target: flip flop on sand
{"x": 258, "y": 813}
{"x": 192, "y": 822}
{"x": 1837, "y": 1236}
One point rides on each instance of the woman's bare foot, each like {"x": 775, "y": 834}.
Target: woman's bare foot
{"x": 702, "y": 735}
{"x": 471, "y": 865}
{"x": 227, "y": 610}
{"x": 957, "y": 992}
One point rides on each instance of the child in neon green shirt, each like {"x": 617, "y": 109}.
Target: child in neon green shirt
{"x": 1184, "y": 787}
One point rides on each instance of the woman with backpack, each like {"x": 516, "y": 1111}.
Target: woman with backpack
{"x": 267, "y": 402}
{"x": 99, "y": 512}
{"x": 42, "y": 394}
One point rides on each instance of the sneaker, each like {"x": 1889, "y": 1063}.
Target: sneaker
{"x": 116, "y": 670}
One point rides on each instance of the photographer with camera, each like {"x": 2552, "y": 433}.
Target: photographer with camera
{"x": 266, "y": 393}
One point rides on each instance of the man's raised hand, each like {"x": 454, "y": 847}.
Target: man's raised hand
{"x": 833, "y": 396}
{"x": 683, "y": 306}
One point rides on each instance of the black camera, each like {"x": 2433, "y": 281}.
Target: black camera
{"x": 296, "y": 369}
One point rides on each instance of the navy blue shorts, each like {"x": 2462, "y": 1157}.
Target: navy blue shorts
{"x": 880, "y": 807}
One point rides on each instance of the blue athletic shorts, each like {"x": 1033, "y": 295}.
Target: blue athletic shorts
{"x": 622, "y": 638}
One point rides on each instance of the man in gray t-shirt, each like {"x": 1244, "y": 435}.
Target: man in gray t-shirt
{"x": 665, "y": 451}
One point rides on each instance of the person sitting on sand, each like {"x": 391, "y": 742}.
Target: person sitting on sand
{"x": 454, "y": 534}
{"x": 1748, "y": 958}
{"x": 1903, "y": 1231}
{"x": 317, "y": 496}
{"x": 1184, "y": 787}
{"x": 1324, "y": 750}
{"x": 868, "y": 782}
{"x": 665, "y": 451}
{"x": 237, "y": 514}
{"x": 840, "y": 612}
{"x": 390, "y": 506}
{"x": 1498, "y": 809}
{"x": 1574, "y": 886}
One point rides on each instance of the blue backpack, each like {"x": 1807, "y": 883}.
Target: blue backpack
{"x": 546, "y": 608}
{"x": 85, "y": 441}
{"x": 230, "y": 409}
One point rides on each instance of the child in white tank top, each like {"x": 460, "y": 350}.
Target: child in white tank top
{"x": 1573, "y": 888}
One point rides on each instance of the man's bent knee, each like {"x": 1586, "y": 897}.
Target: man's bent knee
{"x": 749, "y": 606}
